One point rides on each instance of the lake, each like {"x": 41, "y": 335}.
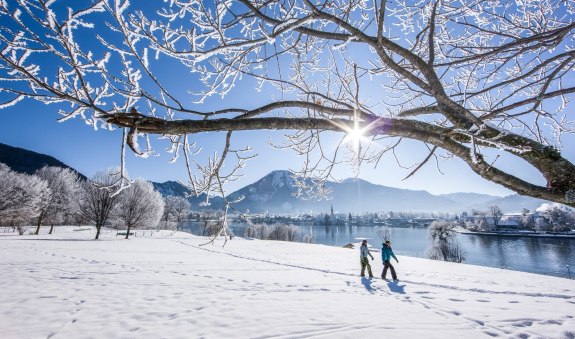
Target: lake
{"x": 536, "y": 255}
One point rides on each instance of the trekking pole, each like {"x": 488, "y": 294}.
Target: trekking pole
{"x": 568, "y": 270}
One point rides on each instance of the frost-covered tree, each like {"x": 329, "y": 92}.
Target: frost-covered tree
{"x": 64, "y": 185}
{"x": 97, "y": 198}
{"x": 560, "y": 220}
{"x": 208, "y": 216}
{"x": 175, "y": 209}
{"x": 480, "y": 222}
{"x": 475, "y": 80}
{"x": 140, "y": 205}
{"x": 168, "y": 209}
{"x": 181, "y": 208}
{"x": 21, "y": 195}
{"x": 542, "y": 224}
{"x": 283, "y": 232}
{"x": 214, "y": 228}
{"x": 257, "y": 231}
{"x": 527, "y": 220}
{"x": 444, "y": 244}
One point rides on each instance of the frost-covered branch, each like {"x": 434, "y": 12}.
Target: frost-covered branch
{"x": 459, "y": 76}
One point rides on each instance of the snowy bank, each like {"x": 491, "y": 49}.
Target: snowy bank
{"x": 67, "y": 285}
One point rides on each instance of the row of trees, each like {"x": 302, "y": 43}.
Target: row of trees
{"x": 54, "y": 195}
{"x": 45, "y": 197}
{"x": 276, "y": 232}
{"x": 551, "y": 219}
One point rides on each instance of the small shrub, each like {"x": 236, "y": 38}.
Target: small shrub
{"x": 21, "y": 229}
{"x": 214, "y": 228}
{"x": 309, "y": 239}
{"x": 258, "y": 231}
{"x": 284, "y": 233}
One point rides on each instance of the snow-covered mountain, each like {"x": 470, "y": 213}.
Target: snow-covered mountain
{"x": 275, "y": 193}
{"x": 469, "y": 198}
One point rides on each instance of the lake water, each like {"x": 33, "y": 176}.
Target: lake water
{"x": 537, "y": 255}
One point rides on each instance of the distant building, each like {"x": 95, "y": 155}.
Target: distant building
{"x": 511, "y": 221}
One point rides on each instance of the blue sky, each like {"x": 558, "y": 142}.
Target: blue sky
{"x": 34, "y": 126}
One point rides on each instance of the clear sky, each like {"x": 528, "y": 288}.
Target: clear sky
{"x": 33, "y": 126}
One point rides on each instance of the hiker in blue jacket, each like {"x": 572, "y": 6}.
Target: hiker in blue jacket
{"x": 364, "y": 252}
{"x": 386, "y": 255}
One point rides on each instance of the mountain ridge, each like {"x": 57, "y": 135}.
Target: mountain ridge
{"x": 274, "y": 193}
{"x": 25, "y": 161}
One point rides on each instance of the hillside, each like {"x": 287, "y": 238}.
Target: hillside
{"x": 25, "y": 161}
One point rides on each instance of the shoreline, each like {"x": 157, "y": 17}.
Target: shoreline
{"x": 517, "y": 234}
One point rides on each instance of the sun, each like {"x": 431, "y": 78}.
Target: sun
{"x": 355, "y": 135}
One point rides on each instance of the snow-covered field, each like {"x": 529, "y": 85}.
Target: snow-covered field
{"x": 67, "y": 285}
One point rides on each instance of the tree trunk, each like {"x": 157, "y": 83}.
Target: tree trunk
{"x": 128, "y": 231}
{"x": 51, "y": 229}
{"x": 39, "y": 224}
{"x": 98, "y": 227}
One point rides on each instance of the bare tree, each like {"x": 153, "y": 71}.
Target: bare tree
{"x": 292, "y": 233}
{"x": 478, "y": 80}
{"x": 64, "y": 185}
{"x": 208, "y": 216}
{"x": 450, "y": 251}
{"x": 308, "y": 238}
{"x": 214, "y": 228}
{"x": 168, "y": 215}
{"x": 181, "y": 208}
{"x": 97, "y": 199}
{"x": 21, "y": 195}
{"x": 140, "y": 205}
{"x": 496, "y": 214}
{"x": 384, "y": 233}
{"x": 175, "y": 209}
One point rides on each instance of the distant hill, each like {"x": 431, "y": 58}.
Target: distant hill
{"x": 274, "y": 193}
{"x": 177, "y": 189}
{"x": 25, "y": 161}
{"x": 512, "y": 203}
{"x": 470, "y": 198}
{"x": 171, "y": 188}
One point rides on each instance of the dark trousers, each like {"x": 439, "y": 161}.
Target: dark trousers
{"x": 364, "y": 264}
{"x": 386, "y": 265}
